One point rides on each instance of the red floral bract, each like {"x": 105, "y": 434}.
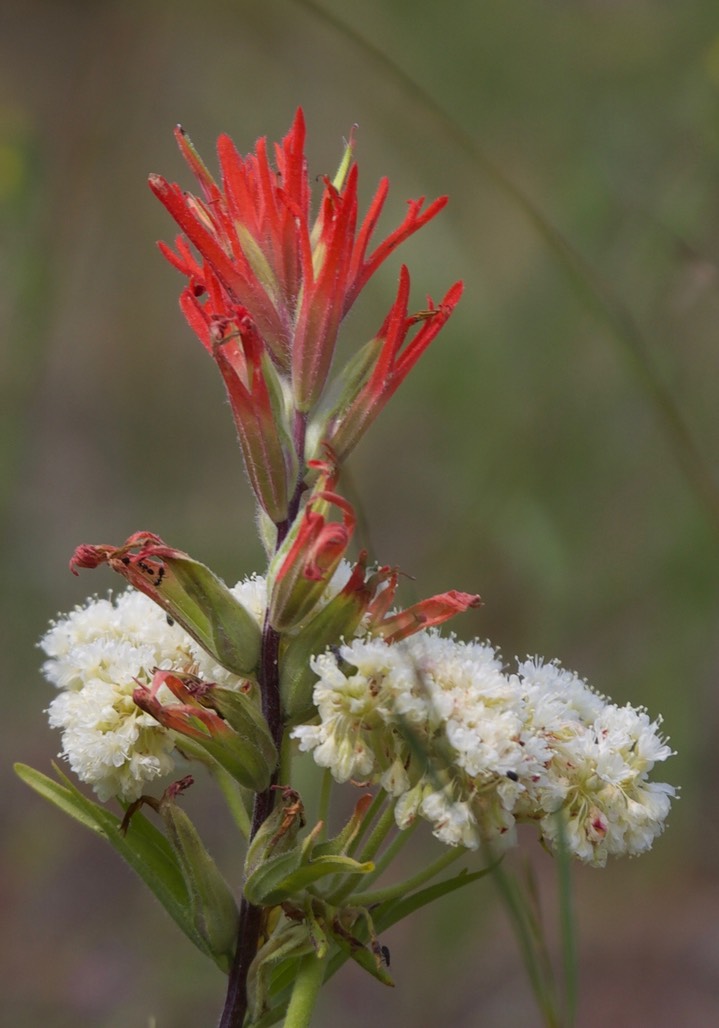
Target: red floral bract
{"x": 255, "y": 240}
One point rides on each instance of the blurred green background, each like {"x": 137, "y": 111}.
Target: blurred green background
{"x": 535, "y": 455}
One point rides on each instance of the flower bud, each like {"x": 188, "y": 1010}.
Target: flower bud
{"x": 309, "y": 556}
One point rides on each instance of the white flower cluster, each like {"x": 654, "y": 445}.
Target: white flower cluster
{"x": 456, "y": 740}
{"x": 97, "y": 654}
{"x": 439, "y": 724}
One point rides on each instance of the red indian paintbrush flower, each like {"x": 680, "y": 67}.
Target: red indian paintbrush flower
{"x": 269, "y": 287}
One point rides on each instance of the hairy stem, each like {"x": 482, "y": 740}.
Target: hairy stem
{"x": 310, "y": 975}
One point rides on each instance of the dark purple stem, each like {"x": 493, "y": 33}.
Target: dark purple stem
{"x": 251, "y": 917}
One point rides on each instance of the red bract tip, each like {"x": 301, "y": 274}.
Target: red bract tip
{"x": 88, "y": 556}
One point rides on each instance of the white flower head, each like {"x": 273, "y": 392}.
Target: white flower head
{"x": 97, "y": 655}
{"x": 456, "y": 740}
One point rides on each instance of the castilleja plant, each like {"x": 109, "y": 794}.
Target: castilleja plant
{"x": 313, "y": 656}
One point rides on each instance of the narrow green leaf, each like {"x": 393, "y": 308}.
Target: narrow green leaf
{"x": 214, "y": 911}
{"x": 396, "y": 910}
{"x": 57, "y": 794}
{"x": 364, "y": 957}
{"x": 297, "y": 881}
{"x": 269, "y": 875}
{"x": 143, "y": 847}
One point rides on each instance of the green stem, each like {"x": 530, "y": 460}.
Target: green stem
{"x": 324, "y": 802}
{"x": 397, "y": 844}
{"x": 379, "y": 834}
{"x": 527, "y": 932}
{"x": 308, "y": 980}
{"x": 369, "y": 817}
{"x": 368, "y": 899}
{"x": 568, "y": 935}
{"x": 234, "y": 799}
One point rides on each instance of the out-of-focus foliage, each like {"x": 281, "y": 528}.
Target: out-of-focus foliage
{"x": 526, "y": 458}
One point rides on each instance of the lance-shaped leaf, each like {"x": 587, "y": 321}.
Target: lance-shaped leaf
{"x": 249, "y": 756}
{"x": 143, "y": 846}
{"x": 212, "y": 905}
{"x": 287, "y": 876}
{"x": 188, "y": 591}
{"x": 372, "y": 957}
{"x": 279, "y": 881}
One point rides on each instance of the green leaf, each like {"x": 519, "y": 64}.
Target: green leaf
{"x": 214, "y": 911}
{"x": 267, "y": 878}
{"x": 297, "y": 881}
{"x": 144, "y": 847}
{"x": 393, "y": 911}
{"x": 363, "y": 955}
{"x": 288, "y": 942}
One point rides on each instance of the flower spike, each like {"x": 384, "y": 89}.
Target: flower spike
{"x": 259, "y": 250}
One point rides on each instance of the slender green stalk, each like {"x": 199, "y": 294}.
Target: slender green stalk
{"x": 234, "y": 799}
{"x": 324, "y": 801}
{"x": 533, "y": 952}
{"x": 310, "y": 976}
{"x": 369, "y": 899}
{"x": 380, "y": 832}
{"x": 381, "y": 865}
{"x": 567, "y": 928}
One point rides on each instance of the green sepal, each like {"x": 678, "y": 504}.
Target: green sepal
{"x": 280, "y": 403}
{"x": 212, "y": 904}
{"x": 144, "y": 847}
{"x": 339, "y": 395}
{"x": 320, "y": 942}
{"x": 267, "y": 879}
{"x": 278, "y": 833}
{"x": 207, "y": 610}
{"x": 239, "y": 757}
{"x": 292, "y": 596}
{"x": 241, "y": 713}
